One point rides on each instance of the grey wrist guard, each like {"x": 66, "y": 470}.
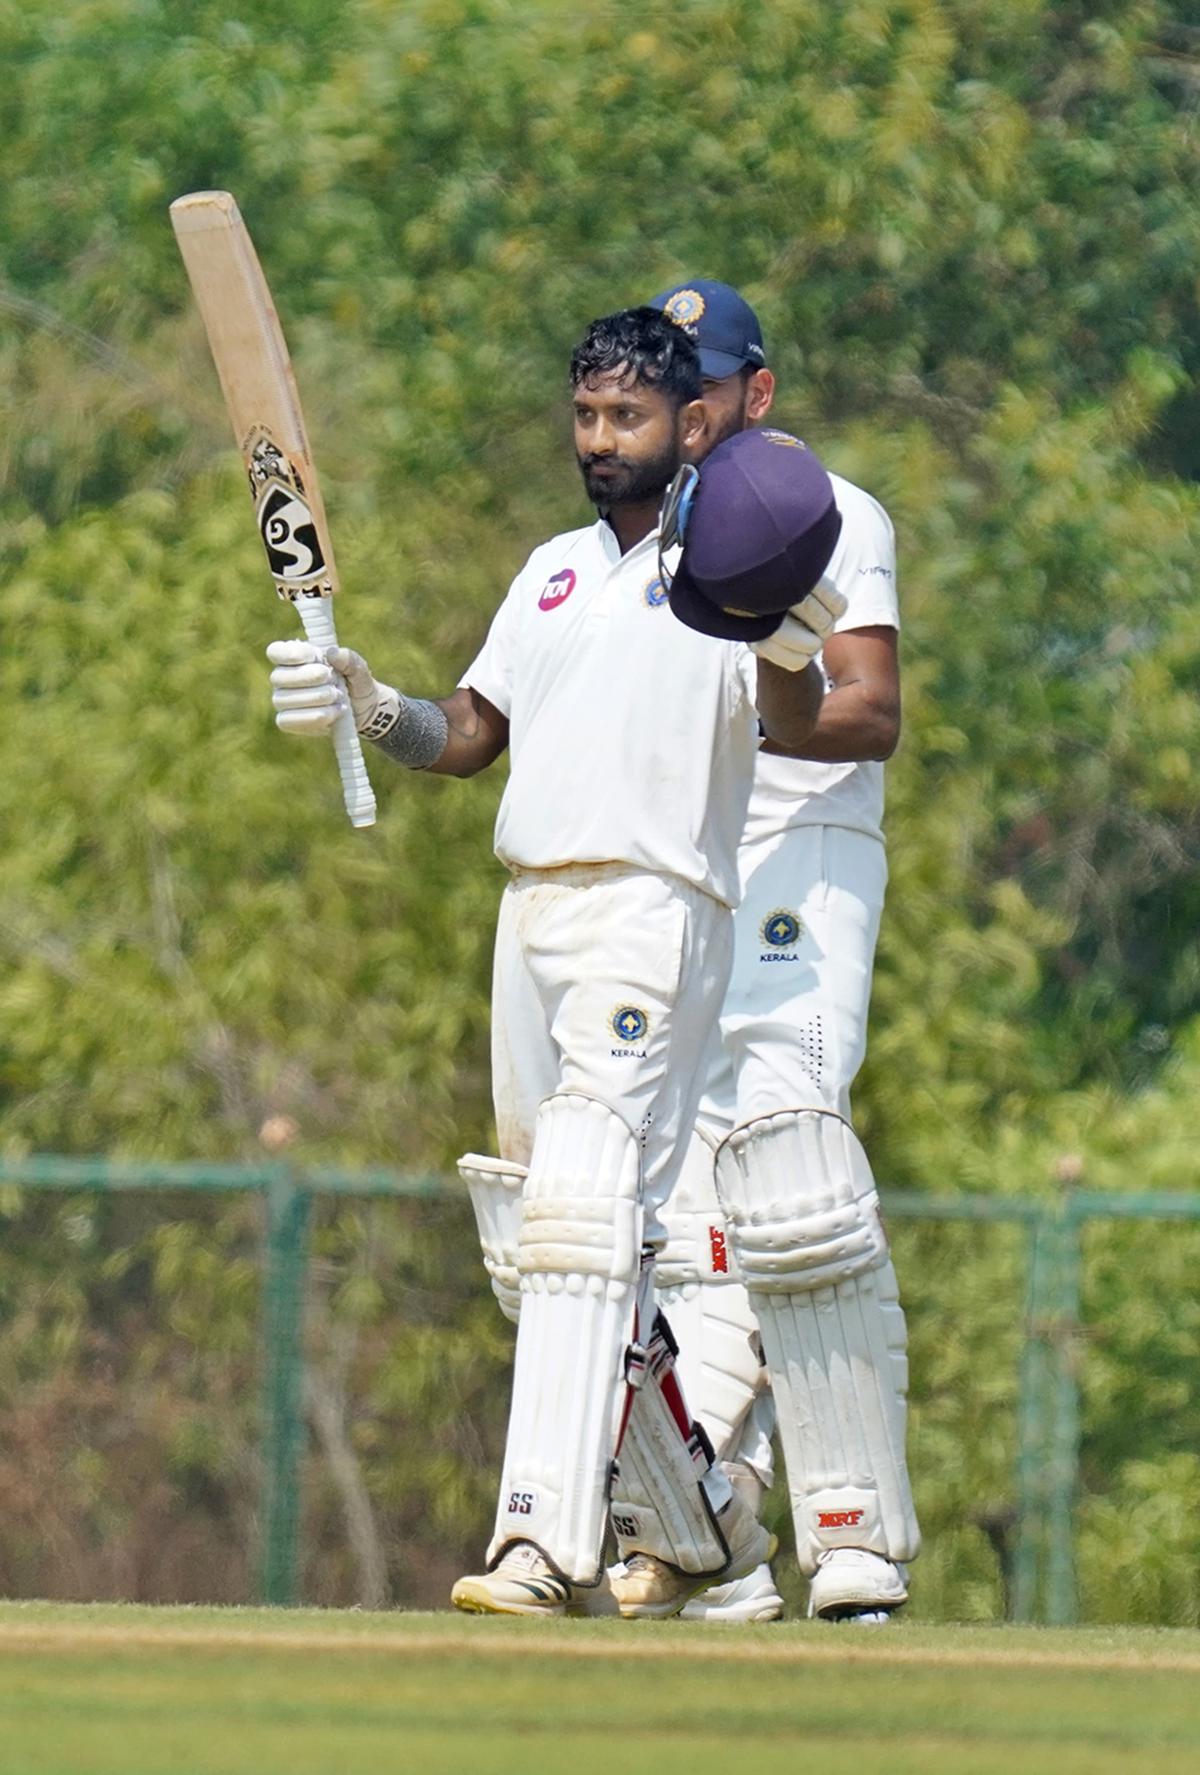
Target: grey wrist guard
{"x": 417, "y": 738}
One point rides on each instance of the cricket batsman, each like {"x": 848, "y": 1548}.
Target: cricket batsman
{"x": 632, "y": 741}
{"x": 794, "y": 1178}
{"x": 773, "y": 1223}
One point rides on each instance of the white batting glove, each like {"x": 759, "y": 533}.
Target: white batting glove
{"x": 805, "y": 629}
{"x": 311, "y": 687}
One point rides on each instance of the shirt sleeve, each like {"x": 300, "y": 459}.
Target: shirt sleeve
{"x": 864, "y": 566}
{"x": 745, "y": 675}
{"x": 493, "y": 669}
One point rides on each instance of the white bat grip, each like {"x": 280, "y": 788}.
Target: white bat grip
{"x": 317, "y": 616}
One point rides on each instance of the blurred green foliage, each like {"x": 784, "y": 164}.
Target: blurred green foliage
{"x": 972, "y": 235}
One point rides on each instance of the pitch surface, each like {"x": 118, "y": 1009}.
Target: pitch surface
{"x": 140, "y": 1691}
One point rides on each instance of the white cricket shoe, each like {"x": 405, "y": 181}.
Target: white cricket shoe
{"x": 523, "y": 1583}
{"x": 649, "y": 1589}
{"x": 851, "y": 1584}
{"x": 752, "y": 1598}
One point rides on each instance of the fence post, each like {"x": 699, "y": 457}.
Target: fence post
{"x": 289, "y": 1209}
{"x": 1031, "y": 1428}
{"x": 1062, "y": 1466}
{"x": 1048, "y": 1419}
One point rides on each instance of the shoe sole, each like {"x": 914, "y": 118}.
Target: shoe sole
{"x": 766, "y": 1609}
{"x": 847, "y": 1608}
{"x": 477, "y": 1599}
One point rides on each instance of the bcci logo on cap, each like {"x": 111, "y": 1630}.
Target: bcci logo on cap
{"x": 783, "y": 438}
{"x": 685, "y": 308}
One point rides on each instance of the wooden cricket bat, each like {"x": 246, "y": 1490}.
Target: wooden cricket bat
{"x": 252, "y": 362}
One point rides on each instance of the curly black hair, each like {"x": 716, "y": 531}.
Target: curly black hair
{"x": 648, "y": 346}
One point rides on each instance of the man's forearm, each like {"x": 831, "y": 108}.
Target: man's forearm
{"x": 476, "y": 734}
{"x": 789, "y": 704}
{"x": 852, "y": 725}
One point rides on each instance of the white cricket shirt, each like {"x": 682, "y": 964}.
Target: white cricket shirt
{"x": 803, "y": 792}
{"x": 632, "y": 738}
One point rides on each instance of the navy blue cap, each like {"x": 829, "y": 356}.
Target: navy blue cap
{"x": 760, "y": 531}
{"x": 722, "y": 323}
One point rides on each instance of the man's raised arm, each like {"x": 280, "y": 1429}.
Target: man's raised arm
{"x": 789, "y": 705}
{"x": 454, "y": 736}
{"x": 859, "y": 717}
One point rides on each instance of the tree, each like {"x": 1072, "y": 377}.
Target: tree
{"x": 971, "y": 236}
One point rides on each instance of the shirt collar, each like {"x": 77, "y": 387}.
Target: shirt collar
{"x": 611, "y": 548}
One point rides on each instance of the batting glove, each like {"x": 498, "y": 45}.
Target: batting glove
{"x": 311, "y": 687}
{"x": 805, "y": 629}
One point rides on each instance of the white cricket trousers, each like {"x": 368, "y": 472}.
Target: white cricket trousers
{"x": 793, "y": 1028}
{"x": 792, "y": 1035}
{"x": 607, "y": 980}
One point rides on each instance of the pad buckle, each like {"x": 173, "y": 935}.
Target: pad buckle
{"x": 637, "y": 1365}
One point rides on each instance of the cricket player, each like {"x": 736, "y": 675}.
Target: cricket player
{"x": 773, "y": 1222}
{"x": 632, "y": 741}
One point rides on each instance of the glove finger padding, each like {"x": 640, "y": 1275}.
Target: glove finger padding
{"x": 312, "y": 687}
{"x": 821, "y": 609}
{"x": 314, "y": 696}
{"x": 302, "y": 677}
{"x": 294, "y": 653}
{"x": 805, "y": 628}
{"x": 310, "y": 721}
{"x": 307, "y": 695}
{"x": 792, "y": 647}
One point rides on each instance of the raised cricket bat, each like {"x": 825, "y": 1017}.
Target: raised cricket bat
{"x": 252, "y": 362}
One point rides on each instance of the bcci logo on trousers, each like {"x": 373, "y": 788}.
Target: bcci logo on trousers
{"x": 779, "y": 933}
{"x": 629, "y": 1024}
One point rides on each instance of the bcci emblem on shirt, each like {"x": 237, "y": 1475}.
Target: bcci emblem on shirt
{"x": 779, "y": 933}
{"x": 629, "y": 1024}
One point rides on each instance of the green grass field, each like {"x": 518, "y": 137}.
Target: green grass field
{"x": 140, "y": 1691}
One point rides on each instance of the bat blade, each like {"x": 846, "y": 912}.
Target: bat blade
{"x": 255, "y": 373}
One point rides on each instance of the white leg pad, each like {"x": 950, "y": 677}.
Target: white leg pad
{"x": 718, "y": 1360}
{"x": 804, "y": 1223}
{"x": 667, "y": 1490}
{"x": 495, "y": 1187}
{"x": 578, "y": 1258}
{"x": 696, "y": 1248}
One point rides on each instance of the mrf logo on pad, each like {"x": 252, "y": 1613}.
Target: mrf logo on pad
{"x": 839, "y": 1518}
{"x": 718, "y": 1251}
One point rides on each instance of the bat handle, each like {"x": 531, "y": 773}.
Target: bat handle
{"x": 317, "y": 616}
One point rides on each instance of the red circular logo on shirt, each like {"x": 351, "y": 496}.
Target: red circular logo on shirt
{"x": 557, "y": 590}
